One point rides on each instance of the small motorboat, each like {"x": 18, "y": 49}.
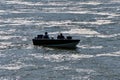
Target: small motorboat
{"x": 67, "y": 42}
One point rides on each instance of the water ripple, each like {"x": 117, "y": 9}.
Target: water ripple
{"x": 95, "y": 23}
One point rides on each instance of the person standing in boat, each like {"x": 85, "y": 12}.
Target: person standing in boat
{"x": 60, "y": 36}
{"x": 46, "y": 36}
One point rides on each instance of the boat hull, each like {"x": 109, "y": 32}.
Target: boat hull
{"x": 56, "y": 43}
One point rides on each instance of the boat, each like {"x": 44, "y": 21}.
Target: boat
{"x": 67, "y": 43}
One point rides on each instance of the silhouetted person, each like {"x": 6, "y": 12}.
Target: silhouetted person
{"x": 46, "y": 36}
{"x": 60, "y": 36}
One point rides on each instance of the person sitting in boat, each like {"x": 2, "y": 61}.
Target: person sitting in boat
{"x": 60, "y": 36}
{"x": 46, "y": 36}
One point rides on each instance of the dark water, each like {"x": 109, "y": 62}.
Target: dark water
{"x": 95, "y": 22}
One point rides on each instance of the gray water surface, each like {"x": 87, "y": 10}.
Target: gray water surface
{"x": 95, "y": 22}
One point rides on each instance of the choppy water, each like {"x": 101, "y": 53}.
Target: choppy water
{"x": 95, "y": 22}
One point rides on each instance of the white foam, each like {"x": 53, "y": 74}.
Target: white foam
{"x": 114, "y": 54}
{"x": 90, "y": 47}
{"x": 81, "y": 31}
{"x": 15, "y": 66}
{"x": 90, "y": 3}
{"x": 61, "y": 57}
